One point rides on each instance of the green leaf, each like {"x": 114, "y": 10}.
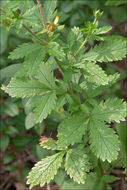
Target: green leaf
{"x": 122, "y": 132}
{"x": 44, "y": 106}
{"x": 11, "y": 130}
{"x": 60, "y": 102}
{"x": 24, "y": 50}
{"x": 103, "y": 140}
{"x": 30, "y": 11}
{"x": 115, "y": 2}
{"x": 45, "y": 76}
{"x": 10, "y": 109}
{"x": 71, "y": 38}
{"x": 49, "y": 8}
{"x": 109, "y": 178}
{"x": 93, "y": 73}
{"x": 12, "y": 5}
{"x": 4, "y": 39}
{"x": 113, "y": 109}
{"x": 9, "y": 71}
{"x": 42, "y": 153}
{"x": 55, "y": 50}
{"x": 113, "y": 49}
{"x": 8, "y": 158}
{"x": 103, "y": 30}
{"x": 29, "y": 121}
{"x": 50, "y": 144}
{"x": 69, "y": 128}
{"x": 22, "y": 140}
{"x": 4, "y": 142}
{"x": 25, "y": 88}
{"x": 33, "y": 61}
{"x": 45, "y": 170}
{"x": 75, "y": 39}
{"x": 92, "y": 90}
{"x": 77, "y": 164}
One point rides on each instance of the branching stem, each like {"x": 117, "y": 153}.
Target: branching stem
{"x": 42, "y": 15}
{"x": 87, "y": 37}
{"x": 33, "y": 34}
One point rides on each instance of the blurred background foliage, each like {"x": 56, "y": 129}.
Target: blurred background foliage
{"x": 19, "y": 134}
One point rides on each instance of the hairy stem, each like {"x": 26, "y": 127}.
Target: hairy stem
{"x": 81, "y": 46}
{"x": 87, "y": 37}
{"x": 69, "y": 88}
{"x": 33, "y": 34}
{"x": 42, "y": 15}
{"x": 62, "y": 70}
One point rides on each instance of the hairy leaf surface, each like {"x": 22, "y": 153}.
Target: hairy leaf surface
{"x": 93, "y": 73}
{"x": 113, "y": 109}
{"x": 24, "y": 50}
{"x": 49, "y": 8}
{"x": 44, "y": 106}
{"x": 113, "y": 49}
{"x": 77, "y": 164}
{"x": 104, "y": 141}
{"x": 55, "y": 50}
{"x": 45, "y": 76}
{"x": 25, "y": 88}
{"x": 33, "y": 61}
{"x": 50, "y": 144}
{"x": 71, "y": 130}
{"x": 45, "y": 170}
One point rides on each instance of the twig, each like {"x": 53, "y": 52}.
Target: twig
{"x": 48, "y": 187}
{"x": 42, "y": 15}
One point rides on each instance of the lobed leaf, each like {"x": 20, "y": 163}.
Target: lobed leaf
{"x": 49, "y": 8}
{"x": 44, "y": 106}
{"x": 55, "y": 50}
{"x": 25, "y": 88}
{"x": 93, "y": 73}
{"x": 75, "y": 39}
{"x": 24, "y": 50}
{"x": 113, "y": 109}
{"x": 113, "y": 49}
{"x": 77, "y": 164}
{"x": 33, "y": 61}
{"x": 50, "y": 144}
{"x": 45, "y": 76}
{"x": 69, "y": 128}
{"x": 103, "y": 30}
{"x": 103, "y": 140}
{"x": 45, "y": 170}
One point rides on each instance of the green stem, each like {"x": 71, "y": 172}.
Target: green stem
{"x": 102, "y": 173}
{"x": 42, "y": 15}
{"x": 69, "y": 88}
{"x": 85, "y": 40}
{"x": 3, "y": 11}
{"x": 100, "y": 167}
{"x": 33, "y": 34}
{"x": 81, "y": 46}
{"x": 62, "y": 70}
